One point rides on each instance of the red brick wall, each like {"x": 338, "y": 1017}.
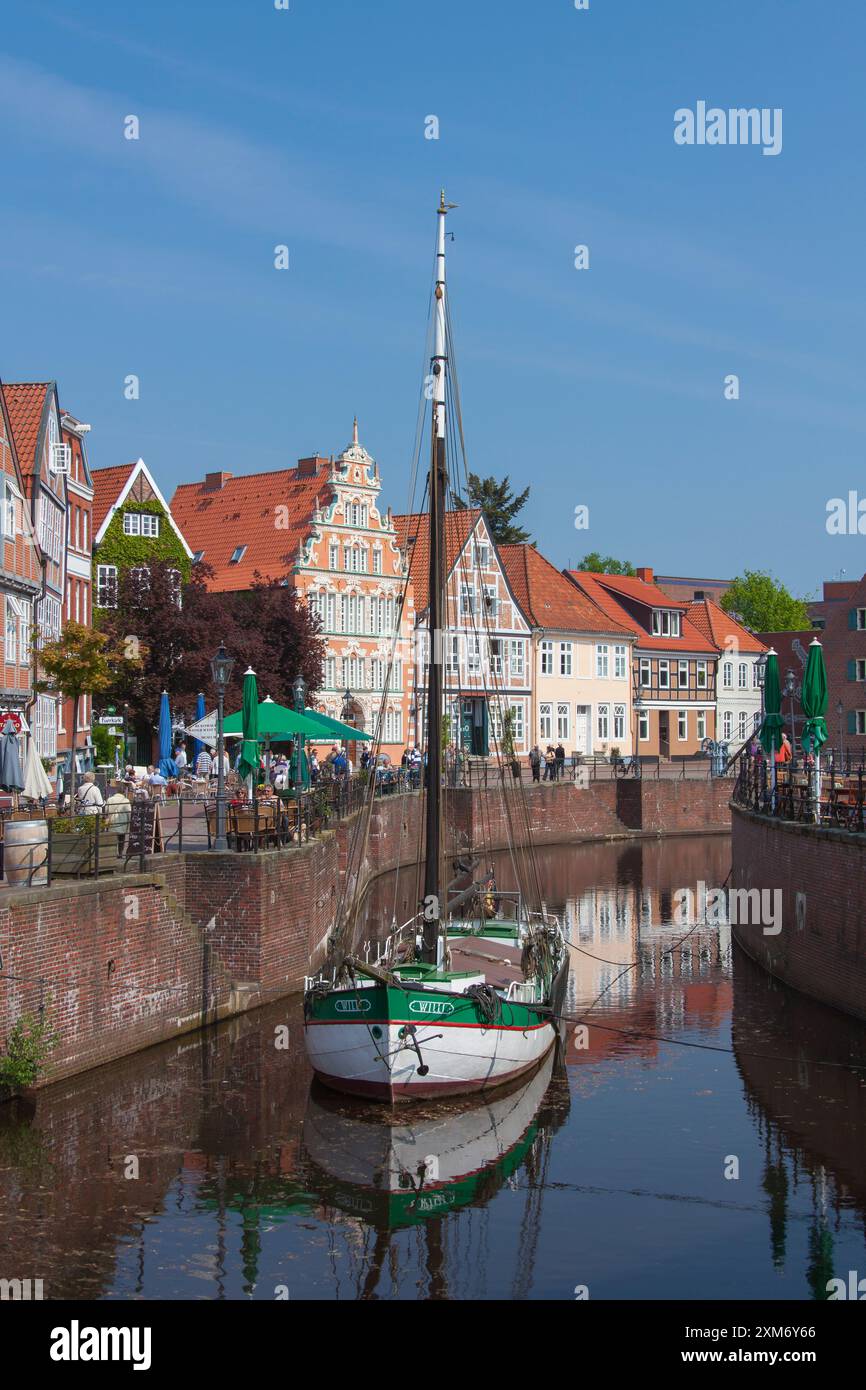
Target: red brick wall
{"x": 823, "y": 952}
{"x": 135, "y": 960}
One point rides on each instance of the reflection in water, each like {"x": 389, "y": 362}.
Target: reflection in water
{"x": 209, "y": 1168}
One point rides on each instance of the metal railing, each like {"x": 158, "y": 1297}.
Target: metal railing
{"x": 832, "y": 796}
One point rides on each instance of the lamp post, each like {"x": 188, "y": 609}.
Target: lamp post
{"x": 638, "y": 706}
{"x": 840, "y": 710}
{"x": 347, "y": 705}
{"x": 299, "y": 690}
{"x": 790, "y": 684}
{"x": 221, "y": 669}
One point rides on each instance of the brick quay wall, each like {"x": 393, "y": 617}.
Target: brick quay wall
{"x": 820, "y": 874}
{"x": 125, "y": 962}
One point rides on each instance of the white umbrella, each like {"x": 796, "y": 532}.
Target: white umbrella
{"x": 36, "y": 783}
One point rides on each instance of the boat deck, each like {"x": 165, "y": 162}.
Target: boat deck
{"x": 498, "y": 961}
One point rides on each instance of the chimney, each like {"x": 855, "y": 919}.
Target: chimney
{"x": 213, "y": 482}
{"x": 309, "y": 467}
{"x": 645, "y": 575}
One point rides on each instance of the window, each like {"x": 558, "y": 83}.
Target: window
{"x": 132, "y": 523}
{"x": 860, "y": 714}
{"x": 701, "y": 674}
{"x": 563, "y": 722}
{"x": 547, "y": 658}
{"x": 545, "y": 721}
{"x": 743, "y": 676}
{"x": 517, "y": 723}
{"x": 106, "y": 586}
{"x": 643, "y": 725}
{"x": 7, "y": 511}
{"x": 85, "y": 544}
{"x": 237, "y": 554}
{"x": 25, "y": 624}
{"x": 619, "y": 721}
{"x": 140, "y": 574}
{"x": 743, "y": 723}
{"x": 198, "y": 556}
{"x": 645, "y": 671}
{"x": 565, "y": 658}
{"x": 333, "y": 556}
{"x": 602, "y": 662}
{"x": 480, "y": 555}
{"x": 701, "y": 725}
{"x": 619, "y": 662}
{"x": 45, "y": 727}
{"x": 682, "y": 725}
{"x": 330, "y": 672}
{"x": 377, "y": 559}
{"x": 491, "y": 600}
{"x": 860, "y": 670}
{"x": 664, "y": 675}
{"x": 728, "y": 675}
{"x": 755, "y": 672}
{"x": 174, "y": 581}
{"x": 603, "y": 715}
{"x": 860, "y": 622}
{"x": 727, "y": 723}
{"x": 473, "y": 655}
{"x": 77, "y": 601}
{"x": 495, "y": 645}
{"x": 665, "y": 623}
{"x": 517, "y": 659}
{"x": 12, "y": 615}
{"x": 467, "y": 600}
{"x": 149, "y": 524}
{"x": 452, "y": 654}
{"x": 683, "y": 675}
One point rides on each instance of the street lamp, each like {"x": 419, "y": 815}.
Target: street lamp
{"x": 347, "y": 705}
{"x": 638, "y": 706}
{"x": 840, "y": 710}
{"x": 221, "y": 670}
{"x": 790, "y": 684}
{"x": 299, "y": 690}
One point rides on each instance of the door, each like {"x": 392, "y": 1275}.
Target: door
{"x": 664, "y": 733}
{"x": 581, "y": 729}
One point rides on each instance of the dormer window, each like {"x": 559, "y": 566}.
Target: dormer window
{"x": 237, "y": 554}
{"x": 666, "y": 623}
{"x": 198, "y": 557}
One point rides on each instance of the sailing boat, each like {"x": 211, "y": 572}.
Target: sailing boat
{"x": 412, "y": 1026}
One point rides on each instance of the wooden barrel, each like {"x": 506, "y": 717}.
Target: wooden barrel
{"x": 25, "y": 852}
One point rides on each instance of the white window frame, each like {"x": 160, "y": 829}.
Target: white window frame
{"x": 565, "y": 658}
{"x": 701, "y": 675}
{"x": 602, "y": 661}
{"x": 682, "y": 726}
{"x": 545, "y": 720}
{"x": 701, "y": 725}
{"x": 132, "y": 523}
{"x": 664, "y": 669}
{"x": 106, "y": 577}
{"x": 546, "y": 651}
{"x": 645, "y": 672}
{"x": 620, "y": 662}
{"x": 602, "y": 722}
{"x": 643, "y": 729}
{"x": 619, "y": 721}
{"x": 563, "y": 721}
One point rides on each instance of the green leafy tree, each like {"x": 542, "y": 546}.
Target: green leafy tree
{"x": 594, "y": 563}
{"x": 500, "y": 506}
{"x": 83, "y": 661}
{"x": 763, "y": 604}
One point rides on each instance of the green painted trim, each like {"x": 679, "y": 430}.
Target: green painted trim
{"x": 384, "y": 1004}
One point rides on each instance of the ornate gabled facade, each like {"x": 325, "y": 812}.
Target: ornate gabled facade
{"x": 487, "y": 643}
{"x": 320, "y": 527}
{"x": 20, "y": 578}
{"x": 78, "y": 606}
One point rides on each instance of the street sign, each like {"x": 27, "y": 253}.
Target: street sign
{"x": 114, "y": 721}
{"x": 205, "y": 730}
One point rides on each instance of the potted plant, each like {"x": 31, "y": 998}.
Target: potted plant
{"x": 72, "y": 843}
{"x": 29, "y": 1042}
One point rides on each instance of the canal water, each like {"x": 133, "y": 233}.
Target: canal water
{"x": 703, "y": 1139}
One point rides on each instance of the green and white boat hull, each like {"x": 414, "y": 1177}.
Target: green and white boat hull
{"x": 422, "y": 1040}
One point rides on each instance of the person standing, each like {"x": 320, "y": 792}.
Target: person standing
{"x": 88, "y": 798}
{"x": 560, "y": 762}
{"x": 180, "y": 757}
{"x": 203, "y": 764}
{"x": 535, "y": 762}
{"x": 549, "y": 763}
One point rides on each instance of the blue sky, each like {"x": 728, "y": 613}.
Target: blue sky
{"x": 306, "y": 127}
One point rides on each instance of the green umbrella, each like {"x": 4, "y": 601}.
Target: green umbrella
{"x": 773, "y": 724}
{"x": 814, "y": 699}
{"x": 248, "y": 762}
{"x": 275, "y": 722}
{"x": 334, "y": 728}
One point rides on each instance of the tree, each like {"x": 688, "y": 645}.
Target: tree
{"x": 594, "y": 563}
{"x": 83, "y": 661}
{"x": 499, "y": 505}
{"x": 763, "y": 604}
{"x": 267, "y": 627}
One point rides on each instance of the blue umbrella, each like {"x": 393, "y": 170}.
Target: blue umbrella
{"x": 197, "y": 744}
{"x": 167, "y": 764}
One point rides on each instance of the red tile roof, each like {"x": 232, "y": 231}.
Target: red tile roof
{"x": 607, "y": 589}
{"x": 25, "y": 402}
{"x": 244, "y": 511}
{"x": 548, "y": 599}
{"x": 413, "y": 538}
{"x": 721, "y": 629}
{"x": 108, "y": 484}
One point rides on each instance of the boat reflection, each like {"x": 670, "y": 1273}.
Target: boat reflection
{"x": 400, "y": 1170}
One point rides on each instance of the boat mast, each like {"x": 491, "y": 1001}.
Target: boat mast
{"x": 437, "y": 618}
